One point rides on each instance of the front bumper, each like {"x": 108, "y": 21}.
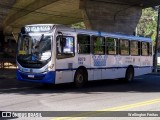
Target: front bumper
{"x": 48, "y": 77}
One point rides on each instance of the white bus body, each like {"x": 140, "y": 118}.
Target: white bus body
{"x": 83, "y": 55}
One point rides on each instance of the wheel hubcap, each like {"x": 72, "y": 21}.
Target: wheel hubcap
{"x": 79, "y": 78}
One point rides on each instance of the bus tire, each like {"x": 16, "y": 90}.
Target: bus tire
{"x": 80, "y": 78}
{"x": 129, "y": 74}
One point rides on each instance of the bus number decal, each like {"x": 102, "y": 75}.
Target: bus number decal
{"x": 81, "y": 60}
{"x": 129, "y": 60}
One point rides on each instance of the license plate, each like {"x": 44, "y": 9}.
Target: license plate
{"x": 31, "y": 76}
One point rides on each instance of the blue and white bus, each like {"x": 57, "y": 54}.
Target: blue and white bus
{"x": 49, "y": 53}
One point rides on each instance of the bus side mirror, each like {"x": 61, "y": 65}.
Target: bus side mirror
{"x": 23, "y": 30}
{"x": 62, "y": 39}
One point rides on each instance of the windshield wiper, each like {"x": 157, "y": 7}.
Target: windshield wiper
{"x": 31, "y": 61}
{"x": 37, "y": 43}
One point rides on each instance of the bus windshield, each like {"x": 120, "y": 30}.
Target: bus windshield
{"x": 34, "y": 48}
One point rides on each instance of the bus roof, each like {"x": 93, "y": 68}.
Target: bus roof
{"x": 93, "y": 32}
{"x": 114, "y": 35}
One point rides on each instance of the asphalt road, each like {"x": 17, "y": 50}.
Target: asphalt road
{"x": 143, "y": 94}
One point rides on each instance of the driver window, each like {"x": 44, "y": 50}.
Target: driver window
{"x": 25, "y": 45}
{"x": 65, "y": 47}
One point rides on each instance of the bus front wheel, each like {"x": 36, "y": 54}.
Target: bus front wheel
{"x": 129, "y": 74}
{"x": 80, "y": 78}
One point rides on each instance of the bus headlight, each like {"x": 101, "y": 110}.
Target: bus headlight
{"x": 17, "y": 67}
{"x": 50, "y": 67}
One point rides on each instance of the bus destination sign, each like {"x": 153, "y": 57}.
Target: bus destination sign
{"x": 43, "y": 28}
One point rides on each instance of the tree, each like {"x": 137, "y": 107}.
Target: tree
{"x": 148, "y": 23}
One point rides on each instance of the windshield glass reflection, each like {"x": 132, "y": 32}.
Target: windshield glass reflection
{"x": 34, "y": 48}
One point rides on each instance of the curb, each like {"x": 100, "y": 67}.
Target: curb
{"x": 154, "y": 73}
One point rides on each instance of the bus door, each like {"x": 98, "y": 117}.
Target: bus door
{"x": 64, "y": 59}
{"x": 98, "y": 57}
{"x": 84, "y": 54}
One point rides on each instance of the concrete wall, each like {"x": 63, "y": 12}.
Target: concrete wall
{"x": 104, "y": 16}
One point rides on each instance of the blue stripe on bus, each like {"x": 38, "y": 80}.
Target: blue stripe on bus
{"x": 104, "y": 68}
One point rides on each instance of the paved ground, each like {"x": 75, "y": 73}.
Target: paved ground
{"x": 7, "y": 73}
{"x": 8, "y": 80}
{"x": 143, "y": 94}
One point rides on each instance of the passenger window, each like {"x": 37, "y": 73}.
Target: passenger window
{"x": 83, "y": 44}
{"x": 134, "y": 48}
{"x": 145, "y": 47}
{"x": 98, "y": 45}
{"x": 124, "y": 47}
{"x": 111, "y": 46}
{"x": 150, "y": 49}
{"x": 139, "y": 48}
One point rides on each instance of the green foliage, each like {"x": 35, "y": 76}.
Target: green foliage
{"x": 98, "y": 44}
{"x": 147, "y": 25}
{"x": 80, "y": 25}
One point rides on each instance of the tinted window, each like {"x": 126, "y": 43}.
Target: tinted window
{"x": 111, "y": 46}
{"x": 83, "y": 44}
{"x": 124, "y": 47}
{"x": 150, "y": 48}
{"x": 134, "y": 48}
{"x": 145, "y": 48}
{"x": 98, "y": 45}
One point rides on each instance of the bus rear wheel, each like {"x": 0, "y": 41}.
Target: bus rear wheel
{"x": 80, "y": 78}
{"x": 129, "y": 74}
